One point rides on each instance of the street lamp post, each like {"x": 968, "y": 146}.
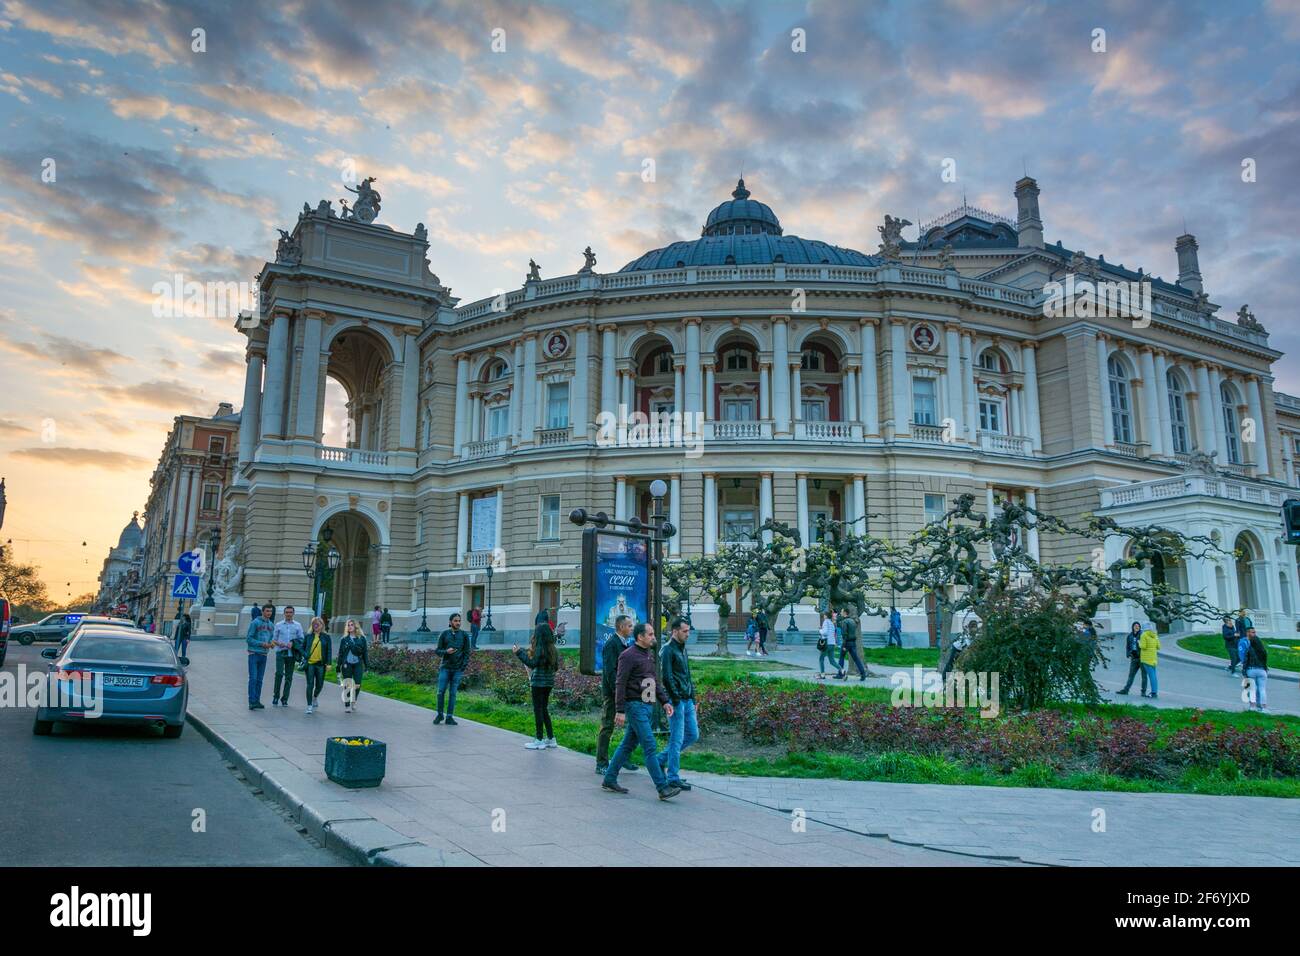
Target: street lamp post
{"x": 214, "y": 541}
{"x": 424, "y": 606}
{"x": 487, "y": 624}
{"x": 320, "y": 571}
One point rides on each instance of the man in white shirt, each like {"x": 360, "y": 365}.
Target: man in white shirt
{"x": 288, "y": 647}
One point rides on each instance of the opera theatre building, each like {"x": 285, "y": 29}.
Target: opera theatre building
{"x": 812, "y": 380}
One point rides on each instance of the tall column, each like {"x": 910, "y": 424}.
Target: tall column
{"x": 309, "y": 377}
{"x": 899, "y": 384}
{"x": 1215, "y": 405}
{"x": 608, "y": 363}
{"x": 250, "y": 414}
{"x": 410, "y": 410}
{"x": 1033, "y": 411}
{"x": 1031, "y": 499}
{"x": 796, "y": 390}
{"x": 517, "y": 394}
{"x": 627, "y": 390}
{"x": 694, "y": 402}
{"x": 620, "y": 498}
{"x": 869, "y": 402}
{"x": 1205, "y": 411}
{"x": 781, "y": 374}
{"x": 528, "y": 414}
{"x": 679, "y": 403}
{"x": 707, "y": 398}
{"x": 579, "y": 416}
{"x": 1103, "y": 373}
{"x": 500, "y": 510}
{"x": 765, "y": 503}
{"x": 710, "y": 514}
{"x": 764, "y": 391}
{"x": 1015, "y": 421}
{"x": 1256, "y": 412}
{"x": 1163, "y": 423}
{"x": 850, "y": 393}
{"x": 460, "y": 429}
{"x": 675, "y": 515}
{"x": 462, "y": 526}
{"x": 475, "y": 418}
{"x": 1151, "y": 402}
{"x": 277, "y": 369}
{"x": 801, "y": 502}
{"x": 953, "y": 399}
{"x": 969, "y": 402}
{"x": 860, "y": 504}
{"x": 846, "y": 496}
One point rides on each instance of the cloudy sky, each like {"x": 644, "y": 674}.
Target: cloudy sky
{"x": 167, "y": 159}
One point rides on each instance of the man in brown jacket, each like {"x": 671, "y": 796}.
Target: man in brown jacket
{"x": 636, "y": 690}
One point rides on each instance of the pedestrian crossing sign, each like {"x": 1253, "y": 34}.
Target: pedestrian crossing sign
{"x": 185, "y": 586}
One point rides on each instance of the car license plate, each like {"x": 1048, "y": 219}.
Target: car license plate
{"x": 118, "y": 680}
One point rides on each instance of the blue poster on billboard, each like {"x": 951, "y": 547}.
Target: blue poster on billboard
{"x": 622, "y": 578}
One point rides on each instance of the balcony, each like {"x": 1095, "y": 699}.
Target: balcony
{"x": 478, "y": 559}
{"x": 825, "y": 431}
{"x": 488, "y": 448}
{"x": 998, "y": 444}
{"x": 737, "y": 431}
{"x": 931, "y": 434}
{"x": 1163, "y": 489}
{"x": 352, "y": 456}
{"x": 550, "y": 437}
{"x": 1127, "y": 449}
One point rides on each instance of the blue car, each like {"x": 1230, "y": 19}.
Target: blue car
{"x": 114, "y": 675}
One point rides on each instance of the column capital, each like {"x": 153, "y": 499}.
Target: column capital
{"x": 279, "y": 312}
{"x": 692, "y": 320}
{"x": 764, "y": 366}
{"x": 801, "y": 475}
{"x": 765, "y": 474}
{"x": 711, "y": 474}
{"x": 852, "y": 366}
{"x": 894, "y": 320}
{"x": 461, "y": 356}
{"x": 1146, "y": 350}
{"x": 781, "y": 319}
{"x": 1102, "y": 337}
{"x": 796, "y": 363}
{"x": 313, "y": 313}
{"x": 1030, "y": 344}
{"x": 868, "y": 320}
{"x": 607, "y": 327}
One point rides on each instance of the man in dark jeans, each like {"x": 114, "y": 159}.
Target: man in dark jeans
{"x": 453, "y": 647}
{"x": 1133, "y": 650}
{"x": 614, "y": 645}
{"x": 895, "y": 628}
{"x": 259, "y": 639}
{"x": 1229, "y": 634}
{"x": 850, "y": 631}
{"x": 683, "y": 727}
{"x": 635, "y": 692}
{"x": 182, "y": 638}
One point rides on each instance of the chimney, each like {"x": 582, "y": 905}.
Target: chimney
{"x": 1029, "y": 225}
{"x": 1189, "y": 263}
{"x": 224, "y": 409}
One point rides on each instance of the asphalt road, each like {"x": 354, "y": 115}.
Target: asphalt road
{"x": 113, "y": 796}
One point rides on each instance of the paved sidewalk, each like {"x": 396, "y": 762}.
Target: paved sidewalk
{"x": 445, "y": 786}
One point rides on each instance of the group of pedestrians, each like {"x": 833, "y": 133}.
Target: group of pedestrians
{"x": 309, "y": 652}
{"x": 756, "y": 634}
{"x": 1142, "y": 648}
{"x": 1247, "y": 651}
{"x": 839, "y": 633}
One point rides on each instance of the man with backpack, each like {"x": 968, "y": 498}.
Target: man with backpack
{"x": 1133, "y": 651}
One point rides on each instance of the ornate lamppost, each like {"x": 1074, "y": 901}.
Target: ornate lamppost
{"x": 214, "y": 541}
{"x": 320, "y": 571}
{"x": 487, "y": 627}
{"x": 424, "y": 605}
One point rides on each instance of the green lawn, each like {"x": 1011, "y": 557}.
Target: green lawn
{"x": 578, "y": 732}
{"x": 1282, "y": 654}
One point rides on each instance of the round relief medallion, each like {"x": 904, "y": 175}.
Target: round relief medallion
{"x": 383, "y": 506}
{"x": 321, "y": 501}
{"x": 556, "y": 345}
{"x": 924, "y": 337}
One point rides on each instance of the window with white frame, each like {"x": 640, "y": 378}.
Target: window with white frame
{"x": 816, "y": 517}
{"x": 810, "y": 360}
{"x": 813, "y": 409}
{"x": 1230, "y": 435}
{"x": 936, "y": 507}
{"x": 216, "y": 446}
{"x": 738, "y": 409}
{"x": 991, "y": 419}
{"x": 990, "y": 361}
{"x": 557, "y": 405}
{"x": 738, "y": 524}
{"x": 1177, "y": 413}
{"x": 1121, "y": 409}
{"x": 735, "y": 360}
{"x": 211, "y": 496}
{"x": 925, "y": 407}
{"x": 497, "y": 422}
{"x": 548, "y": 521}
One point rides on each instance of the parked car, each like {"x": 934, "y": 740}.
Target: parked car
{"x": 52, "y": 627}
{"x": 143, "y": 681}
{"x": 97, "y": 621}
{"x": 5, "y": 613}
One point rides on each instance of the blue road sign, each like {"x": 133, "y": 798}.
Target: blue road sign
{"x": 191, "y": 562}
{"x": 185, "y": 586}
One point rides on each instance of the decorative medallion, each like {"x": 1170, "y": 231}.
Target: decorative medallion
{"x": 556, "y": 345}
{"x": 321, "y": 501}
{"x": 353, "y": 501}
{"x": 383, "y": 506}
{"x": 924, "y": 337}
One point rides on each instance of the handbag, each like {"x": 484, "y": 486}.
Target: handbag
{"x": 821, "y": 644}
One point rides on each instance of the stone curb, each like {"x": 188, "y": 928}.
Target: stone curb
{"x": 333, "y": 821}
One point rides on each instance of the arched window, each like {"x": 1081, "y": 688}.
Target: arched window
{"x": 810, "y": 360}
{"x": 1121, "y": 409}
{"x": 1177, "y": 412}
{"x": 1229, "y": 401}
{"x": 735, "y": 359}
{"x": 496, "y": 370}
{"x": 991, "y": 361}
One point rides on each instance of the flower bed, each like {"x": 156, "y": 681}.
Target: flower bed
{"x": 496, "y": 673}
{"x": 820, "y": 719}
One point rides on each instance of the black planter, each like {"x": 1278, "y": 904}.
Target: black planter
{"x": 356, "y": 766}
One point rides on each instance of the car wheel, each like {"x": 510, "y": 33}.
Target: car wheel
{"x": 171, "y": 732}
{"x": 25, "y": 639}
{"x": 42, "y": 728}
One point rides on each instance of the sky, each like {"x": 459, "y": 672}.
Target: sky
{"x": 133, "y": 149}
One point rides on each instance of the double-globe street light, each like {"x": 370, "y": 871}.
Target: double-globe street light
{"x": 318, "y": 570}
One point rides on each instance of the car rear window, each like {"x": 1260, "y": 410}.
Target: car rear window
{"x": 94, "y": 648}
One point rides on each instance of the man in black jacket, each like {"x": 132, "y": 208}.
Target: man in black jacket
{"x": 683, "y": 728}
{"x": 636, "y": 689}
{"x": 614, "y": 645}
{"x": 453, "y": 647}
{"x": 1134, "y": 654}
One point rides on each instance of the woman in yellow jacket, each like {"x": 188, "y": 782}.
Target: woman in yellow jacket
{"x": 1148, "y": 645}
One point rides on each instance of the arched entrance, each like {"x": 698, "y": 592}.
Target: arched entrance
{"x": 1249, "y": 558}
{"x": 360, "y": 362}
{"x": 353, "y": 589}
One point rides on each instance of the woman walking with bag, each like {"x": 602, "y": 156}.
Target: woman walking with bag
{"x": 353, "y": 660}
{"x": 542, "y": 660}
{"x": 827, "y": 646}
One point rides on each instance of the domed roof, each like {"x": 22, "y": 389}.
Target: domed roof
{"x": 132, "y": 535}
{"x": 743, "y": 231}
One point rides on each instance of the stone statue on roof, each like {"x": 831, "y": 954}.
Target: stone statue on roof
{"x": 366, "y": 207}
{"x": 891, "y": 237}
{"x": 945, "y": 258}
{"x": 590, "y": 258}
{"x": 288, "y": 249}
{"x": 535, "y": 271}
{"x": 1199, "y": 463}
{"x": 1246, "y": 320}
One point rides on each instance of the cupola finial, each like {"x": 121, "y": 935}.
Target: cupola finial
{"x": 740, "y": 192}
